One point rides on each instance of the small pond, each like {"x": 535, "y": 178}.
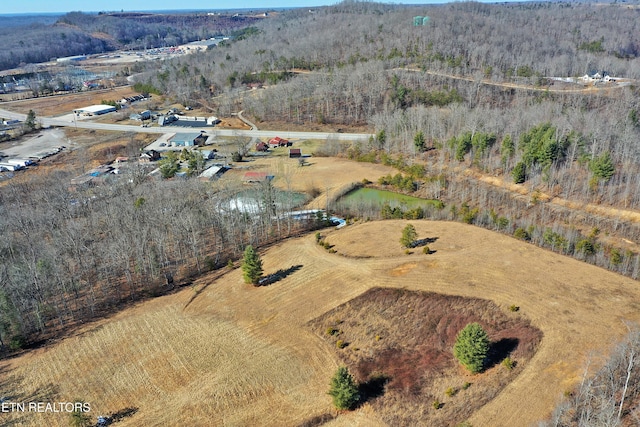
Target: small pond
{"x": 249, "y": 201}
{"x": 372, "y": 196}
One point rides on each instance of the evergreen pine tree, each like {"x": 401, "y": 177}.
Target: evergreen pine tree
{"x": 409, "y": 236}
{"x": 519, "y": 173}
{"x": 602, "y": 167}
{"x": 419, "y": 141}
{"x": 471, "y": 347}
{"x": 30, "y": 122}
{"x": 251, "y": 266}
{"x": 344, "y": 390}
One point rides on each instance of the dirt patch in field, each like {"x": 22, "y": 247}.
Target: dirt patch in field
{"x": 398, "y": 344}
{"x": 232, "y": 123}
{"x": 401, "y": 270}
{"x": 64, "y": 104}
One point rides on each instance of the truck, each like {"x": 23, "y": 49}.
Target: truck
{"x": 10, "y": 167}
{"x": 19, "y": 162}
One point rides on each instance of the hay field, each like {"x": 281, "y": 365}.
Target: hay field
{"x": 226, "y": 353}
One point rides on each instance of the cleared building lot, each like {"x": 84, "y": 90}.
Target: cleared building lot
{"x": 46, "y": 141}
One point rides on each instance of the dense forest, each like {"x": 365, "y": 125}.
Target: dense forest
{"x": 519, "y": 42}
{"x": 78, "y": 33}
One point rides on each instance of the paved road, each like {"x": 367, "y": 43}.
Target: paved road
{"x": 83, "y": 124}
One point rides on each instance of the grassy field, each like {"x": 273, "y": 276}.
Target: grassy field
{"x": 225, "y": 353}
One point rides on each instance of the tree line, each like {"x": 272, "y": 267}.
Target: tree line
{"x": 606, "y": 397}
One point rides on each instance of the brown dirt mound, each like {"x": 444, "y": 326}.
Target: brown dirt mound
{"x": 398, "y": 344}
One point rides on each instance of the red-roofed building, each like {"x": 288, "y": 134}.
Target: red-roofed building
{"x": 279, "y": 142}
{"x": 251, "y": 177}
{"x": 294, "y": 153}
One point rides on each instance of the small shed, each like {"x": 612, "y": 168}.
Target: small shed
{"x": 212, "y": 173}
{"x": 261, "y": 146}
{"x": 294, "y": 153}
{"x": 149, "y": 156}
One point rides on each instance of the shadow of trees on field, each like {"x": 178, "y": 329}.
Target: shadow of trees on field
{"x": 278, "y": 275}
{"x": 316, "y": 421}
{"x": 373, "y": 388}
{"x": 210, "y": 279}
{"x": 422, "y": 242}
{"x": 118, "y": 416}
{"x": 10, "y": 385}
{"x": 12, "y": 390}
{"x": 500, "y": 350}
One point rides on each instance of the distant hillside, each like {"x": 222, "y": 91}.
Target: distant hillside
{"x": 24, "y": 19}
{"x": 79, "y": 33}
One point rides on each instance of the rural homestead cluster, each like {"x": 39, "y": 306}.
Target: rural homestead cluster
{"x": 202, "y": 142}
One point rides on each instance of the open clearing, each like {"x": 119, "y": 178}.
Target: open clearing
{"x": 226, "y": 353}
{"x": 63, "y": 104}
